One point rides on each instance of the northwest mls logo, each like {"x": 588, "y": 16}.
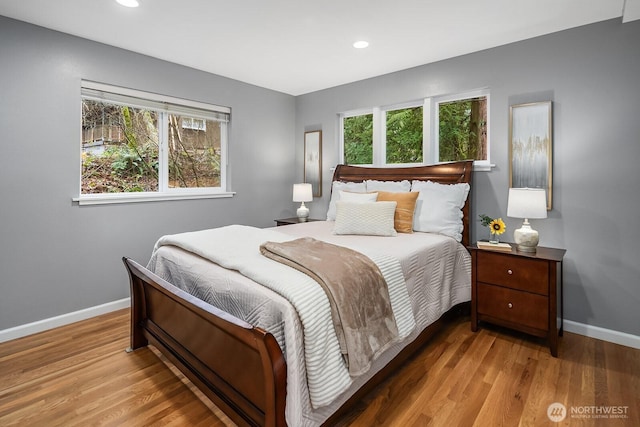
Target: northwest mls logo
{"x": 556, "y": 412}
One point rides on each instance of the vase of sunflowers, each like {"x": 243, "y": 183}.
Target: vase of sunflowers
{"x": 496, "y": 227}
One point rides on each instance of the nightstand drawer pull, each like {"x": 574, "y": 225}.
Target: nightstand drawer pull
{"x": 510, "y": 305}
{"x": 510, "y": 271}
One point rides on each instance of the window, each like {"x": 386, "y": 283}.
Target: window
{"x": 140, "y": 146}
{"x": 432, "y": 130}
{"x": 403, "y": 131}
{"x": 358, "y": 139}
{"x": 462, "y": 128}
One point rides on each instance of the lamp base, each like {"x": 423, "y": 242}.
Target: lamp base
{"x": 529, "y": 249}
{"x": 302, "y": 213}
{"x": 526, "y": 238}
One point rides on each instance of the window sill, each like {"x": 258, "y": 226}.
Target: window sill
{"x": 477, "y": 167}
{"x": 104, "y": 199}
{"x": 483, "y": 167}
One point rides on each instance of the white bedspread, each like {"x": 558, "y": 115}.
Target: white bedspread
{"x": 236, "y": 247}
{"x": 436, "y": 269}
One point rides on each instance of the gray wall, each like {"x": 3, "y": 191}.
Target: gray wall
{"x": 57, "y": 257}
{"x": 592, "y": 74}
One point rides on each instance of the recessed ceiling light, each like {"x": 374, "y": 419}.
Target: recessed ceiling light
{"x": 129, "y": 3}
{"x": 361, "y": 44}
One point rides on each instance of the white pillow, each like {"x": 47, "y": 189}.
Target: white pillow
{"x": 391, "y": 186}
{"x": 348, "y": 196}
{"x": 369, "y": 218}
{"x": 439, "y": 208}
{"x": 337, "y": 186}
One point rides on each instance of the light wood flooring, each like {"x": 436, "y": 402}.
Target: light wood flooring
{"x": 80, "y": 375}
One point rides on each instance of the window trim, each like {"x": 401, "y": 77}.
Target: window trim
{"x": 355, "y": 113}
{"x": 434, "y": 135}
{"x": 383, "y": 132}
{"x": 430, "y": 128}
{"x": 114, "y": 198}
{"x": 163, "y": 104}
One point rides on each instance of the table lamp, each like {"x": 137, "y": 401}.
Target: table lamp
{"x": 527, "y": 203}
{"x": 302, "y": 193}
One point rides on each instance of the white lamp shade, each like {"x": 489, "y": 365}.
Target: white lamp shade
{"x": 302, "y": 193}
{"x": 529, "y": 203}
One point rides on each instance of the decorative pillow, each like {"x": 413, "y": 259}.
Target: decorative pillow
{"x": 403, "y": 219}
{"x": 336, "y": 187}
{"x": 392, "y": 186}
{"x": 439, "y": 207}
{"x": 369, "y": 218}
{"x": 348, "y": 196}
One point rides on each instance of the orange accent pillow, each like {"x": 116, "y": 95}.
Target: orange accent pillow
{"x": 403, "y": 218}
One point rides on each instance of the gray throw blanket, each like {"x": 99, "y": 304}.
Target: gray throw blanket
{"x": 357, "y": 292}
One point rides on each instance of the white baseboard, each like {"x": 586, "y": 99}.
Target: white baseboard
{"x": 602, "y": 334}
{"x": 64, "y": 319}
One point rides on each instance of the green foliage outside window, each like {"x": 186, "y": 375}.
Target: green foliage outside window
{"x": 463, "y": 130}
{"x": 358, "y": 140}
{"x": 462, "y": 133}
{"x": 404, "y": 135}
{"x": 121, "y": 150}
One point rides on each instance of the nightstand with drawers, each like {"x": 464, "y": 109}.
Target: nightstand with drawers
{"x": 518, "y": 290}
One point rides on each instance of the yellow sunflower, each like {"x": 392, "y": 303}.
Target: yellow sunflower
{"x": 497, "y": 226}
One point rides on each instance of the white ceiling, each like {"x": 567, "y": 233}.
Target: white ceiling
{"x": 300, "y": 46}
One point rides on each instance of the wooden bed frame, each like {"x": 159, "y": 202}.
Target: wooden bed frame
{"x": 238, "y": 366}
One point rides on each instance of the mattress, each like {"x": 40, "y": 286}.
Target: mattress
{"x": 437, "y": 272}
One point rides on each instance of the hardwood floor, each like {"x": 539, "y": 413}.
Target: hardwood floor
{"x": 80, "y": 375}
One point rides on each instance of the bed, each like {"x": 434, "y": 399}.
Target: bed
{"x": 248, "y": 360}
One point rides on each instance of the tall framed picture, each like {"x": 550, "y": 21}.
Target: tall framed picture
{"x": 313, "y": 161}
{"x": 530, "y": 146}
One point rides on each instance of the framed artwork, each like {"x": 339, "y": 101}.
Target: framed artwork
{"x": 530, "y": 146}
{"x": 313, "y": 161}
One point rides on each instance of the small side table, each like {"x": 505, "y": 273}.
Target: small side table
{"x": 294, "y": 220}
{"x": 519, "y": 290}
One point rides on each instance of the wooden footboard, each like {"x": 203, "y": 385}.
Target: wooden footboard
{"x": 238, "y": 366}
